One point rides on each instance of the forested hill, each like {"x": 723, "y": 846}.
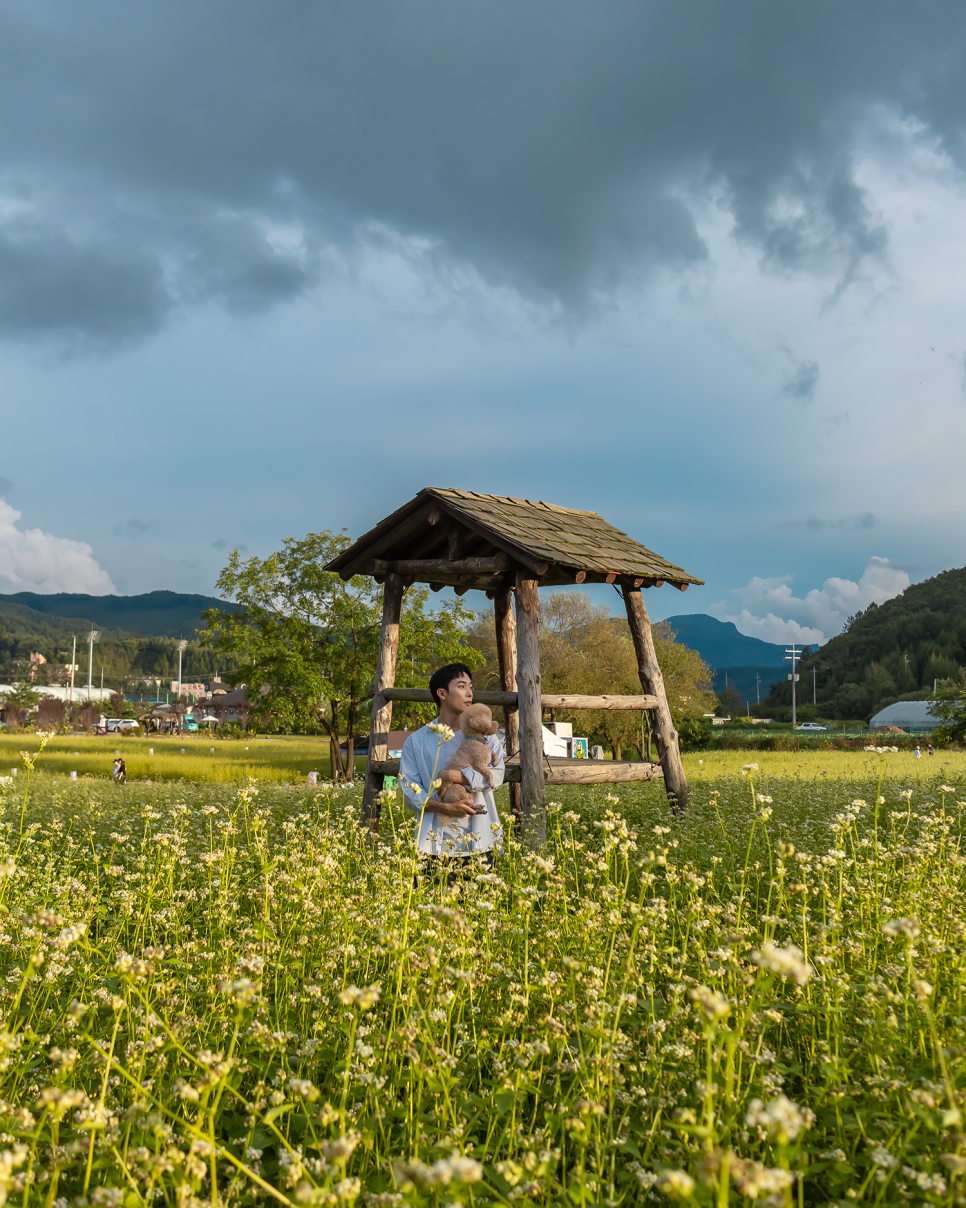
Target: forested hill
{"x": 138, "y": 636}
{"x": 158, "y": 613}
{"x": 895, "y": 651}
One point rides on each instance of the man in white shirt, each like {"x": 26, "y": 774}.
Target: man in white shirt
{"x": 457, "y": 829}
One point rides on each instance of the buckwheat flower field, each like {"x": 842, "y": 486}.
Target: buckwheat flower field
{"x": 213, "y": 996}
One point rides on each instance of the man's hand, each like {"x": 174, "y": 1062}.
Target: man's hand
{"x": 451, "y": 809}
{"x": 453, "y": 776}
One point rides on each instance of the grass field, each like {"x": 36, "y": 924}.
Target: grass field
{"x": 291, "y": 759}
{"x": 235, "y": 996}
{"x": 233, "y": 761}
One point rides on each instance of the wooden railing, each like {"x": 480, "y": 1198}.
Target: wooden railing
{"x": 547, "y": 700}
{"x": 563, "y": 771}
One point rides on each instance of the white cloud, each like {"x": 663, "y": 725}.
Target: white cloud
{"x": 768, "y": 609}
{"x": 32, "y": 560}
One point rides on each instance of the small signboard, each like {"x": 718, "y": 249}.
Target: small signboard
{"x": 389, "y": 782}
{"x": 578, "y": 748}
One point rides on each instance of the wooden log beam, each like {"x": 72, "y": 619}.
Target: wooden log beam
{"x": 598, "y": 702}
{"x": 532, "y": 789}
{"x": 405, "y": 529}
{"x": 483, "y": 696}
{"x": 381, "y": 721}
{"x": 652, "y": 681}
{"x": 433, "y": 567}
{"x": 597, "y": 771}
{"x": 515, "y": 553}
{"x": 506, "y": 650}
{"x": 487, "y": 696}
{"x": 566, "y": 771}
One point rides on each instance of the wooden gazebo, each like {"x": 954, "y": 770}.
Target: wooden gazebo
{"x": 510, "y": 548}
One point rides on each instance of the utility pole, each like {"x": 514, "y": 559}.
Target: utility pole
{"x": 73, "y": 664}
{"x": 792, "y": 655}
{"x": 94, "y": 635}
{"x": 758, "y": 687}
{"x": 814, "y": 686}
{"x": 182, "y": 647}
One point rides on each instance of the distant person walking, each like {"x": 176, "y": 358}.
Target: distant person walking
{"x": 119, "y": 771}
{"x": 931, "y": 751}
{"x": 917, "y": 753}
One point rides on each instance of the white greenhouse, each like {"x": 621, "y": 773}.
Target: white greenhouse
{"x": 909, "y": 715}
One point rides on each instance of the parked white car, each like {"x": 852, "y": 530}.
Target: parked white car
{"x": 811, "y": 725}
{"x": 114, "y": 724}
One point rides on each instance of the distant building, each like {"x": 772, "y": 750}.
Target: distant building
{"x": 229, "y": 706}
{"x": 908, "y": 715}
{"x": 185, "y": 689}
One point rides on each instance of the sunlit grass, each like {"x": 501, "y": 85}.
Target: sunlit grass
{"x": 837, "y": 765}
{"x": 233, "y": 761}
{"x": 240, "y": 997}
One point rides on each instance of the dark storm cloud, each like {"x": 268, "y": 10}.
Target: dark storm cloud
{"x": 156, "y": 156}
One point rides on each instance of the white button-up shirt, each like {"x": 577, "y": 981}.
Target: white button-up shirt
{"x": 423, "y": 758}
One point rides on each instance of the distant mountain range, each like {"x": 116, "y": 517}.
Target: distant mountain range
{"x": 156, "y": 613}
{"x": 721, "y": 645}
{"x": 748, "y": 665}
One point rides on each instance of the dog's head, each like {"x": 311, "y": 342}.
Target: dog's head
{"x": 478, "y": 721}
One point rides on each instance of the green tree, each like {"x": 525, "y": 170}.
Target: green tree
{"x": 23, "y": 696}
{"x": 729, "y": 702}
{"x": 951, "y": 707}
{"x": 881, "y": 684}
{"x": 305, "y": 642}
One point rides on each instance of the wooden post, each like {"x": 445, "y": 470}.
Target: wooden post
{"x": 532, "y": 786}
{"x": 382, "y": 708}
{"x": 652, "y": 681}
{"x": 506, "y": 649}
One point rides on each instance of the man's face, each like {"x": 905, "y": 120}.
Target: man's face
{"x": 459, "y": 695}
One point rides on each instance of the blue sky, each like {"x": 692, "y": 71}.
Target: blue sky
{"x": 699, "y": 270}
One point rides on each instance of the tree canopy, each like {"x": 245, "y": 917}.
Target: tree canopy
{"x": 305, "y": 642}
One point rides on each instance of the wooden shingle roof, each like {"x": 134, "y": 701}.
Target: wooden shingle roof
{"x": 560, "y": 545}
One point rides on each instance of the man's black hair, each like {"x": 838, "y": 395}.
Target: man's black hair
{"x": 445, "y": 676}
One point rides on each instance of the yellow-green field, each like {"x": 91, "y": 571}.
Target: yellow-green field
{"x": 290, "y": 759}
{"x": 837, "y": 765}
{"x": 267, "y": 759}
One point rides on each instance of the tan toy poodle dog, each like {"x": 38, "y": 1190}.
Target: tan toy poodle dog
{"x": 473, "y": 752}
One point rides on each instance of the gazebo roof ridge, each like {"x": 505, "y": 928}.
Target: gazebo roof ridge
{"x": 562, "y": 545}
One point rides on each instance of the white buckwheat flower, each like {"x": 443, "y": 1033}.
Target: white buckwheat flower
{"x": 787, "y": 962}
{"x": 883, "y": 1159}
{"x": 781, "y": 1118}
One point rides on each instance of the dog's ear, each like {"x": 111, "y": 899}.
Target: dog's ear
{"x": 476, "y": 718}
